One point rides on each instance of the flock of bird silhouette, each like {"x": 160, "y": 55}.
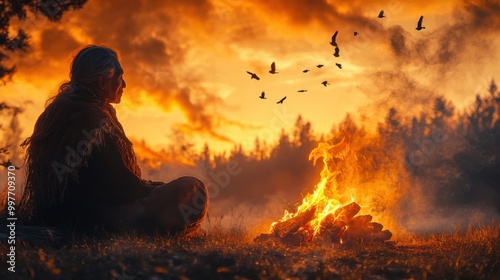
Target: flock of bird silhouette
{"x": 336, "y": 53}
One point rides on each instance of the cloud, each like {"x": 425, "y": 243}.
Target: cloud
{"x": 153, "y": 43}
{"x": 169, "y": 49}
{"x": 304, "y": 12}
{"x": 57, "y": 43}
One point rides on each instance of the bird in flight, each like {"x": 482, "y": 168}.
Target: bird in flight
{"x": 356, "y": 33}
{"x": 302, "y": 90}
{"x": 281, "y": 100}
{"x": 273, "y": 68}
{"x": 262, "y": 95}
{"x": 254, "y": 76}
{"x": 381, "y": 14}
{"x": 325, "y": 83}
{"x": 305, "y": 71}
{"x": 419, "y": 24}
{"x": 337, "y": 52}
{"x": 320, "y": 65}
{"x": 334, "y": 38}
{"x": 339, "y": 65}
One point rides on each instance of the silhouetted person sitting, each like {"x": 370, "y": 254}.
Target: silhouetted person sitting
{"x": 82, "y": 172}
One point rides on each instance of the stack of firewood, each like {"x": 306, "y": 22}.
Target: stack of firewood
{"x": 343, "y": 226}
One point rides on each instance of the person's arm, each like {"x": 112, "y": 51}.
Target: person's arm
{"x": 107, "y": 178}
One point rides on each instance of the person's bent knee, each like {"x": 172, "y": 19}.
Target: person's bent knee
{"x": 180, "y": 204}
{"x": 193, "y": 199}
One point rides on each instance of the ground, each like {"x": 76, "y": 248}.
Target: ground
{"x": 232, "y": 254}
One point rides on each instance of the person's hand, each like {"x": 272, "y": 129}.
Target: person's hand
{"x": 153, "y": 184}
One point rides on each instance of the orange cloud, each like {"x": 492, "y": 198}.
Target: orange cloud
{"x": 171, "y": 50}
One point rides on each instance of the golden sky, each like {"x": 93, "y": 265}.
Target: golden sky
{"x": 185, "y": 62}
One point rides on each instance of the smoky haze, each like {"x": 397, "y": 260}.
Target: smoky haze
{"x": 452, "y": 178}
{"x": 438, "y": 61}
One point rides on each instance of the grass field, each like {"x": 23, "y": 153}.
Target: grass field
{"x": 231, "y": 254}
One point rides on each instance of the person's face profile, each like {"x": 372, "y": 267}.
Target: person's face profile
{"x": 115, "y": 85}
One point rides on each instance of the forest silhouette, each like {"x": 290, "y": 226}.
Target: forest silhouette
{"x": 435, "y": 163}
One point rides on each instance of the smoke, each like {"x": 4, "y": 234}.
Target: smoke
{"x": 447, "y": 189}
{"x": 445, "y": 60}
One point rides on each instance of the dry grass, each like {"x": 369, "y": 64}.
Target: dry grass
{"x": 472, "y": 253}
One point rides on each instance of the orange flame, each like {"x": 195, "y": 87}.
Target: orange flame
{"x": 325, "y": 198}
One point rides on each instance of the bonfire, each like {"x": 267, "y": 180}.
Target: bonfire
{"x": 322, "y": 216}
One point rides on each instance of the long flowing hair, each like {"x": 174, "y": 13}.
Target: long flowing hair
{"x": 44, "y": 191}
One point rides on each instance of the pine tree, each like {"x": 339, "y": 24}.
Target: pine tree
{"x": 10, "y": 10}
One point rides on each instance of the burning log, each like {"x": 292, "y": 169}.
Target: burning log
{"x": 360, "y": 220}
{"x": 347, "y": 212}
{"x": 357, "y": 232}
{"x": 331, "y": 229}
{"x": 376, "y": 227}
{"x": 341, "y": 226}
{"x": 362, "y": 228}
{"x": 293, "y": 224}
{"x": 381, "y": 236}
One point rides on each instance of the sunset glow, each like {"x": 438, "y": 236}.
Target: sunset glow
{"x": 185, "y": 62}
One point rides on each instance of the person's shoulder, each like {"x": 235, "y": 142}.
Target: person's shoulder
{"x": 85, "y": 114}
